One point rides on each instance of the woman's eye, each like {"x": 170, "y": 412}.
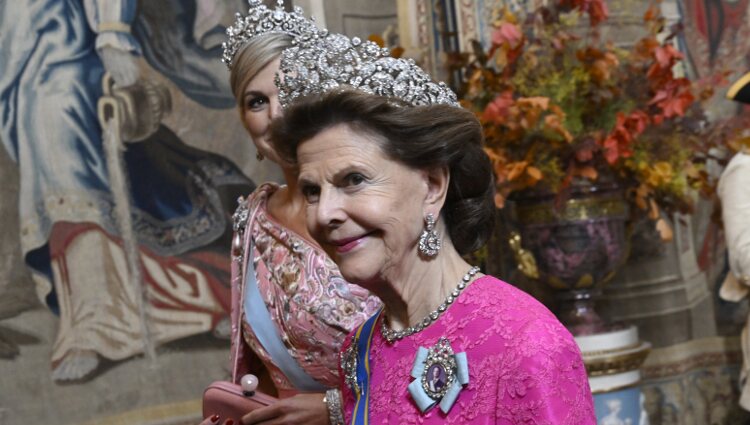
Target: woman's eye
{"x": 256, "y": 103}
{"x": 354, "y": 179}
{"x": 311, "y": 193}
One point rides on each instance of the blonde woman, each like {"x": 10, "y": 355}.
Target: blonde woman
{"x": 291, "y": 309}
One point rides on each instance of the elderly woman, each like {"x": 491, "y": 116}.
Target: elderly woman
{"x": 396, "y": 194}
{"x": 291, "y": 308}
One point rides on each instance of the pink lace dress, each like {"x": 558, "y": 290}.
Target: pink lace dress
{"x": 312, "y": 306}
{"x": 524, "y": 366}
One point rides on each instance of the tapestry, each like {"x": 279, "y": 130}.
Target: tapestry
{"x": 694, "y": 383}
{"x": 717, "y": 35}
{"x": 122, "y": 157}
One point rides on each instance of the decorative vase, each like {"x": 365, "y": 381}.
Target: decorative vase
{"x": 577, "y": 245}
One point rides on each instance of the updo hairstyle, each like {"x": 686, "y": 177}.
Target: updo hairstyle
{"x": 421, "y": 137}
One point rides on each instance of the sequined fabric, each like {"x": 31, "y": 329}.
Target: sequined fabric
{"x": 311, "y": 304}
{"x": 524, "y": 366}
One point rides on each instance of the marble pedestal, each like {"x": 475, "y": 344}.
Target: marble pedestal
{"x": 613, "y": 360}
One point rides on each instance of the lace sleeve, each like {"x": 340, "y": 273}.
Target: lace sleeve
{"x": 550, "y": 385}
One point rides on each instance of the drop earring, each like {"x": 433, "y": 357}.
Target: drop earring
{"x": 429, "y": 241}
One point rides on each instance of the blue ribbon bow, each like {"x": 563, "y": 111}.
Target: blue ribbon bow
{"x": 423, "y": 400}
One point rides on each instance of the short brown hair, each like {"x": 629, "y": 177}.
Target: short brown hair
{"x": 422, "y": 137}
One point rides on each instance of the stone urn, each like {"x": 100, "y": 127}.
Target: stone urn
{"x": 574, "y": 245}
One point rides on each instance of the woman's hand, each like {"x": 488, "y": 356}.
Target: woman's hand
{"x": 300, "y": 409}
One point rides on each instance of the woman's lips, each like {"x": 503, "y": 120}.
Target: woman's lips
{"x": 345, "y": 245}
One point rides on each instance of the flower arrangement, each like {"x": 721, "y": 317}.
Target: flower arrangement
{"x": 559, "y": 107}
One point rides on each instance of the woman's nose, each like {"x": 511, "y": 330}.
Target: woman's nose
{"x": 330, "y": 210}
{"x": 274, "y": 109}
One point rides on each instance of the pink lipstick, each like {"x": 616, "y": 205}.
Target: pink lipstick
{"x": 347, "y": 244}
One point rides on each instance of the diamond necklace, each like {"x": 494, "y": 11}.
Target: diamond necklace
{"x": 390, "y": 335}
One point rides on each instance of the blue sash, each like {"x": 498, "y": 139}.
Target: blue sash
{"x": 363, "y": 339}
{"x": 262, "y": 325}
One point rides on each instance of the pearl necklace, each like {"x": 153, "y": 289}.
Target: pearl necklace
{"x": 390, "y": 335}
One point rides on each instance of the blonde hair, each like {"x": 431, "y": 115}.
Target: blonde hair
{"x": 252, "y": 58}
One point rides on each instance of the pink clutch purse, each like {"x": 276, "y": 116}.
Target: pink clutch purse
{"x": 229, "y": 402}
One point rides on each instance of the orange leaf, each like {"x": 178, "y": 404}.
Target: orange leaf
{"x": 499, "y": 201}
{"x": 377, "y": 39}
{"x": 651, "y": 13}
{"x": 536, "y": 102}
{"x": 691, "y": 170}
{"x": 589, "y": 172}
{"x": 641, "y": 194}
{"x": 600, "y": 70}
{"x": 555, "y": 124}
{"x": 534, "y": 173}
{"x": 640, "y": 202}
{"x": 665, "y": 230}
{"x": 597, "y": 9}
{"x": 516, "y": 169}
{"x": 653, "y": 211}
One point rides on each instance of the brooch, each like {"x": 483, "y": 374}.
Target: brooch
{"x": 440, "y": 375}
{"x": 239, "y": 218}
{"x": 349, "y": 365}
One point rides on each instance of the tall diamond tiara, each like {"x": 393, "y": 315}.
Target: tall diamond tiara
{"x": 321, "y": 62}
{"x": 261, "y": 20}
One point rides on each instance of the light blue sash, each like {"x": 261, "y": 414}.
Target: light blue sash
{"x": 265, "y": 331}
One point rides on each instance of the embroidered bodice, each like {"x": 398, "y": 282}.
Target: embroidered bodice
{"x": 313, "y": 307}
{"x": 524, "y": 366}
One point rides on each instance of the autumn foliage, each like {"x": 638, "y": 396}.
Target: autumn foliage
{"x": 560, "y": 105}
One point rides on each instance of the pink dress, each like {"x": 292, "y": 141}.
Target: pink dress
{"x": 524, "y": 366}
{"x": 313, "y": 307}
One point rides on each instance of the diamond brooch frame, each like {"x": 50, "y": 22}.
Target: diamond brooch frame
{"x": 440, "y": 357}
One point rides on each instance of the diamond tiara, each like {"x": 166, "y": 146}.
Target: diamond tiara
{"x": 262, "y": 20}
{"x": 321, "y": 62}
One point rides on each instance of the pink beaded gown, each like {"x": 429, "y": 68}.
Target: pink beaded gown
{"x": 312, "y": 307}
{"x": 524, "y": 366}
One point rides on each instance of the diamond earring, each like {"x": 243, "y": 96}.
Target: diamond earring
{"x": 259, "y": 156}
{"x": 429, "y": 241}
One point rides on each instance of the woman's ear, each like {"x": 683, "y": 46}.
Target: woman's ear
{"x": 437, "y": 189}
